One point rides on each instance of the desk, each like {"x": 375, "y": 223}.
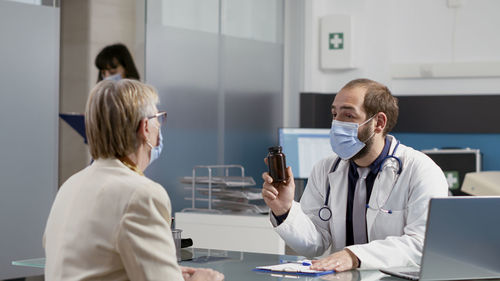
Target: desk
{"x": 239, "y": 265}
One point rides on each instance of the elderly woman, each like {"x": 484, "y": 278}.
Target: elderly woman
{"x": 109, "y": 221}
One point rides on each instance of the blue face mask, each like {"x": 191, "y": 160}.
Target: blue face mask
{"x": 156, "y": 150}
{"x": 344, "y": 138}
{"x": 115, "y": 77}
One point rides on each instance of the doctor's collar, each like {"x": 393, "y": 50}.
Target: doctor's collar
{"x": 375, "y": 165}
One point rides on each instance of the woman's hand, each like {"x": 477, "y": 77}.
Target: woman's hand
{"x": 201, "y": 274}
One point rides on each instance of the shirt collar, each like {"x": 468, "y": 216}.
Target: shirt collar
{"x": 375, "y": 166}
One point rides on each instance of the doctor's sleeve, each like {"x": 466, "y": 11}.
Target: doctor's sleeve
{"x": 144, "y": 239}
{"x": 302, "y": 230}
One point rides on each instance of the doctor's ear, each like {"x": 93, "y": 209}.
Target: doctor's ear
{"x": 380, "y": 122}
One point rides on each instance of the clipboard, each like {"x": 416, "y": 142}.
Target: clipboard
{"x": 291, "y": 269}
{"x": 77, "y": 122}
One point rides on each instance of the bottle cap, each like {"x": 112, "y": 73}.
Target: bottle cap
{"x": 275, "y": 149}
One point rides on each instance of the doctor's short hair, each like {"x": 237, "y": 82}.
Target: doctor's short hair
{"x": 378, "y": 98}
{"x": 113, "y": 113}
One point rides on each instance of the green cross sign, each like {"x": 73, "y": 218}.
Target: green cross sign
{"x": 452, "y": 178}
{"x": 336, "y": 41}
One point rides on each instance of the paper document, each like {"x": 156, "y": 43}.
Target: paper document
{"x": 298, "y": 268}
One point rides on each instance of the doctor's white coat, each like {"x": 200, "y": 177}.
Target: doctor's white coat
{"x": 394, "y": 239}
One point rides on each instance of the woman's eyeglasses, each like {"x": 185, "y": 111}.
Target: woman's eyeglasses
{"x": 161, "y": 116}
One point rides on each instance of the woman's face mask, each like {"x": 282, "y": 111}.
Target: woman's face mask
{"x": 115, "y": 77}
{"x": 156, "y": 150}
{"x": 344, "y": 138}
{"x": 114, "y": 72}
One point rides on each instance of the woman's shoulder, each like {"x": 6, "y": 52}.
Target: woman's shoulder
{"x": 150, "y": 186}
{"x": 142, "y": 185}
{"x": 118, "y": 177}
{"x": 139, "y": 190}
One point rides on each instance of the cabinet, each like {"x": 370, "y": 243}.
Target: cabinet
{"x": 233, "y": 232}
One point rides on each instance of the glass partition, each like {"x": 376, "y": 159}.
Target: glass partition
{"x": 218, "y": 68}
{"x": 29, "y": 101}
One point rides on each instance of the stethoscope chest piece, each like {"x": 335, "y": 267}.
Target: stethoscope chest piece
{"x": 325, "y": 213}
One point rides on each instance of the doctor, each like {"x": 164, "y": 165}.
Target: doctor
{"x": 368, "y": 203}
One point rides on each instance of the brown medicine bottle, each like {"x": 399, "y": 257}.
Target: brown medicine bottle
{"x": 277, "y": 164}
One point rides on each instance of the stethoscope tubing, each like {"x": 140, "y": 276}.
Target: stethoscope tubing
{"x": 325, "y": 213}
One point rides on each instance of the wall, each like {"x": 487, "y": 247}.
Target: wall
{"x": 391, "y": 32}
{"x": 293, "y": 60}
{"x": 407, "y": 31}
{"x": 87, "y": 27}
{"x": 74, "y": 83}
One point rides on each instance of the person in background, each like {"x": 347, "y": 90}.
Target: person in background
{"x": 109, "y": 221}
{"x": 115, "y": 62}
{"x": 367, "y": 203}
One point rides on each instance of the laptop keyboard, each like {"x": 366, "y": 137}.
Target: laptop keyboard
{"x": 414, "y": 274}
{"x": 411, "y": 273}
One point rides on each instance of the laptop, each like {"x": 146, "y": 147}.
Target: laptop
{"x": 462, "y": 241}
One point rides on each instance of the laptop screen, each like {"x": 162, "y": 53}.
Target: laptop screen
{"x": 462, "y": 239}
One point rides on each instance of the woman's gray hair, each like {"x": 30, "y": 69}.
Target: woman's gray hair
{"x": 112, "y": 116}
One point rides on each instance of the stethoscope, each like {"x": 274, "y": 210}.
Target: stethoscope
{"x": 325, "y": 213}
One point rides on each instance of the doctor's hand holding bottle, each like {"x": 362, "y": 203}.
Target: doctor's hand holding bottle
{"x": 278, "y": 195}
